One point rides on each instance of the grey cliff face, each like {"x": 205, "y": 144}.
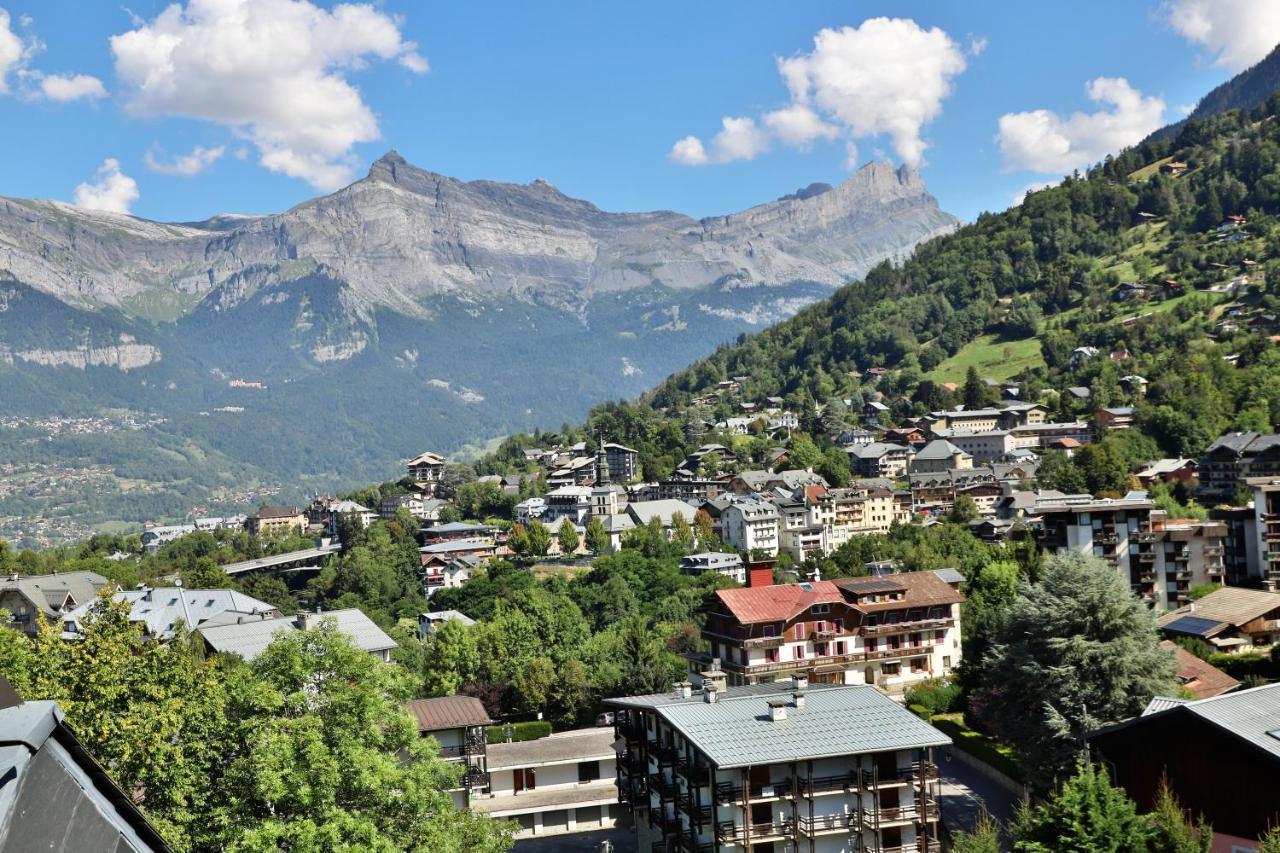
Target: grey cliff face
{"x": 403, "y": 235}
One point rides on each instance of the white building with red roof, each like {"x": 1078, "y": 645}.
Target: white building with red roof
{"x": 889, "y": 631}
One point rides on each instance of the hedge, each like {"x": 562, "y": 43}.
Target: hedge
{"x": 980, "y": 746}
{"x": 531, "y": 730}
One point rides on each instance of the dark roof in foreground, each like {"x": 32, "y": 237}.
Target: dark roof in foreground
{"x": 1252, "y": 715}
{"x": 448, "y": 712}
{"x": 54, "y": 796}
{"x": 837, "y": 719}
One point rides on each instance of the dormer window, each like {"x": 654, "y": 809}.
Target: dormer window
{"x": 820, "y": 608}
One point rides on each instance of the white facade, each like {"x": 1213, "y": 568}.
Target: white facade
{"x": 556, "y": 785}
{"x": 751, "y": 525}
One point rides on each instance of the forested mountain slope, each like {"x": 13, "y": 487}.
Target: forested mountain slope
{"x": 1014, "y": 293}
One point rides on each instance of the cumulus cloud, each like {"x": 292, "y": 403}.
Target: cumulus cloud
{"x": 184, "y": 165}
{"x": 798, "y": 125}
{"x": 71, "y": 87}
{"x": 739, "y": 139}
{"x": 886, "y": 76}
{"x": 1043, "y": 141}
{"x": 110, "y": 190}
{"x": 15, "y": 50}
{"x": 1238, "y": 32}
{"x": 275, "y": 71}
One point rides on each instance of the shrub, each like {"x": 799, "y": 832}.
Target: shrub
{"x": 937, "y": 696}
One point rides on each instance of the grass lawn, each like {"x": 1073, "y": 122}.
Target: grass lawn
{"x": 978, "y": 745}
{"x": 542, "y": 571}
{"x": 992, "y": 358}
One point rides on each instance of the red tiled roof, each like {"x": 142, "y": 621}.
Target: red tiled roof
{"x": 1202, "y": 678}
{"x": 448, "y": 712}
{"x": 777, "y": 603}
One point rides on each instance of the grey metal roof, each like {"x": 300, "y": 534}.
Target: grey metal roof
{"x": 251, "y": 638}
{"x": 55, "y": 797}
{"x": 737, "y": 730}
{"x": 949, "y": 575}
{"x": 1250, "y": 715}
{"x": 163, "y": 608}
{"x": 305, "y": 555}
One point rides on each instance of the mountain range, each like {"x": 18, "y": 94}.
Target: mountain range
{"x": 406, "y": 311}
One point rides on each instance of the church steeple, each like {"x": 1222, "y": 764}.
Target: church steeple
{"x": 602, "y": 464}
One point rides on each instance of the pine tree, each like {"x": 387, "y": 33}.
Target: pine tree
{"x": 1171, "y": 832}
{"x": 975, "y": 390}
{"x": 1086, "y": 814}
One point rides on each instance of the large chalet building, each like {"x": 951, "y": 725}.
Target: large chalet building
{"x": 889, "y": 631}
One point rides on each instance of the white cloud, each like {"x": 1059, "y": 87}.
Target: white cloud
{"x": 71, "y": 87}
{"x": 886, "y": 76}
{"x": 689, "y": 152}
{"x": 977, "y": 44}
{"x": 1238, "y": 32}
{"x": 1034, "y": 186}
{"x": 15, "y": 50}
{"x": 798, "y": 125}
{"x": 111, "y": 190}
{"x": 185, "y": 165}
{"x": 739, "y": 139}
{"x": 1043, "y": 141}
{"x": 273, "y": 70}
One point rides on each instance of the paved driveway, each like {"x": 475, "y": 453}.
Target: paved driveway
{"x": 966, "y": 792}
{"x": 623, "y": 838}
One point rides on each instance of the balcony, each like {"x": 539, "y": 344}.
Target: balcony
{"x": 1146, "y": 557}
{"x": 829, "y": 784}
{"x": 904, "y": 652}
{"x": 1213, "y": 550}
{"x": 762, "y": 643}
{"x": 699, "y": 814}
{"x": 666, "y": 754}
{"x": 1146, "y": 536}
{"x": 899, "y": 627}
{"x": 475, "y": 778}
{"x": 662, "y": 786}
{"x": 1182, "y": 575}
{"x": 899, "y": 775}
{"x": 906, "y": 848}
{"x": 826, "y": 634}
{"x": 733, "y": 833}
{"x": 826, "y": 823}
{"x": 874, "y": 818}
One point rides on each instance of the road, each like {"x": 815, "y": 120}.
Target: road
{"x": 965, "y": 793}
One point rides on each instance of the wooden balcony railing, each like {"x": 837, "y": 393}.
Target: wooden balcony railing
{"x": 899, "y": 627}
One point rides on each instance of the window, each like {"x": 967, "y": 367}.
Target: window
{"x": 938, "y": 637}
{"x": 820, "y": 608}
{"x": 771, "y": 655}
{"x": 839, "y": 626}
{"x": 820, "y": 626}
{"x": 872, "y": 642}
{"x": 946, "y": 662}
{"x": 588, "y": 771}
{"x": 917, "y": 664}
{"x": 915, "y": 640}
{"x": 895, "y": 642}
{"x": 800, "y": 630}
{"x": 839, "y": 647}
{"x": 771, "y": 630}
{"x": 892, "y": 668}
{"x": 820, "y": 649}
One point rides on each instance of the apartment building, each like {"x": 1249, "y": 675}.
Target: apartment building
{"x": 1235, "y": 457}
{"x": 879, "y": 459}
{"x": 890, "y": 631}
{"x": 1161, "y": 559}
{"x": 458, "y": 723}
{"x": 751, "y": 524}
{"x": 774, "y": 767}
{"x": 1264, "y": 544}
{"x": 555, "y": 785}
{"x": 28, "y": 597}
{"x": 983, "y": 446}
{"x": 426, "y": 470}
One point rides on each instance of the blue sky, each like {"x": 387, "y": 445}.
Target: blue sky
{"x": 271, "y": 102}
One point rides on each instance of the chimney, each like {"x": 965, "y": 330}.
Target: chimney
{"x": 683, "y": 689}
{"x": 798, "y": 697}
{"x": 714, "y": 677}
{"x": 777, "y": 709}
{"x": 759, "y": 573}
{"x": 710, "y": 694}
{"x": 801, "y": 681}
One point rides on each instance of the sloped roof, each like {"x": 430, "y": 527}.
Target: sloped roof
{"x": 49, "y": 592}
{"x": 663, "y": 510}
{"x": 160, "y": 609}
{"x": 937, "y": 450}
{"x": 1231, "y": 604}
{"x": 923, "y": 589}
{"x": 1194, "y": 626}
{"x": 1201, "y": 678}
{"x": 738, "y": 730}
{"x": 779, "y": 602}
{"x": 448, "y": 712}
{"x": 1252, "y": 715}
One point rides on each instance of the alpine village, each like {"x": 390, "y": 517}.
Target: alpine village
{"x": 979, "y": 553}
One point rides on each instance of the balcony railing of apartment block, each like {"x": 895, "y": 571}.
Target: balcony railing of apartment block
{"x": 908, "y": 813}
{"x": 829, "y": 784}
{"x": 826, "y": 823}
{"x": 903, "y": 652}
{"x": 898, "y": 627}
{"x": 733, "y": 833}
{"x": 899, "y": 775}
{"x": 904, "y": 848}
{"x": 728, "y": 792}
{"x": 762, "y": 642}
